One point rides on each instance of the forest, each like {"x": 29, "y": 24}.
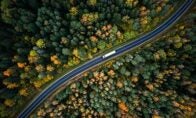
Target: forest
{"x": 40, "y": 40}
{"x": 156, "y": 81}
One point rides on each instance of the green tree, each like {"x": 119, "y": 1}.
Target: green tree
{"x": 101, "y": 44}
{"x": 66, "y": 51}
{"x": 82, "y": 53}
{"x": 6, "y": 11}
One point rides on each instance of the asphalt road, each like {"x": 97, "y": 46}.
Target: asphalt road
{"x": 70, "y": 75}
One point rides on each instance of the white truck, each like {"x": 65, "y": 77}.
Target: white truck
{"x": 109, "y": 54}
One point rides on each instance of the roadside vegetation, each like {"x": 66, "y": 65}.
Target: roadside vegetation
{"x": 44, "y": 38}
{"x": 156, "y": 81}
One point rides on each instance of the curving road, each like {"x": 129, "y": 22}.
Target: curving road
{"x": 70, "y": 75}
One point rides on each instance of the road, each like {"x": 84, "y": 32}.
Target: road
{"x": 92, "y": 63}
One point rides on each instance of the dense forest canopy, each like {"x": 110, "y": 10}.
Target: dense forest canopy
{"x": 40, "y": 39}
{"x": 155, "y": 81}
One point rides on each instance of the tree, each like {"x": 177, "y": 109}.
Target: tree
{"x": 23, "y": 92}
{"x": 40, "y": 43}
{"x": 73, "y": 11}
{"x": 116, "y": 18}
{"x": 123, "y": 70}
{"x": 75, "y": 52}
{"x": 101, "y": 44}
{"x": 129, "y": 35}
{"x": 136, "y": 25}
{"x": 6, "y": 11}
{"x": 92, "y": 2}
{"x": 3, "y": 111}
{"x": 9, "y": 102}
{"x": 66, "y": 51}
{"x": 82, "y": 53}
